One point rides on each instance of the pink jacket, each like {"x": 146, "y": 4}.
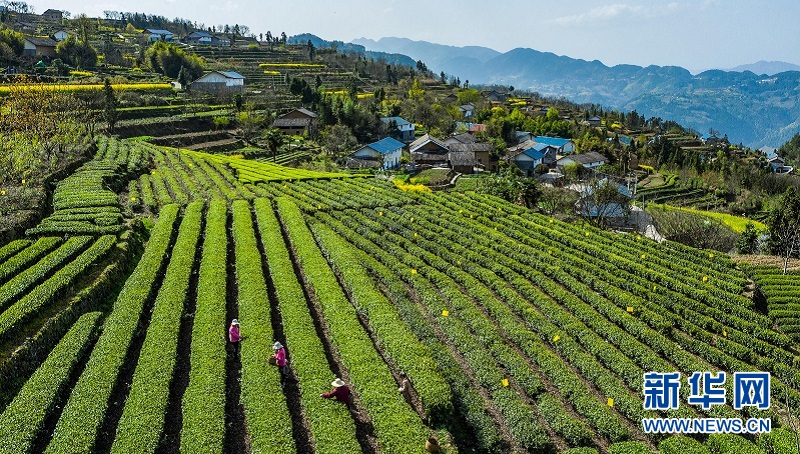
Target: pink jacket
{"x": 233, "y": 333}
{"x": 280, "y": 357}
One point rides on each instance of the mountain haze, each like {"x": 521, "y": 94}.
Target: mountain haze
{"x": 752, "y": 109}
{"x": 767, "y": 67}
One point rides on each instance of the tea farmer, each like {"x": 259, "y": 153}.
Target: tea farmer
{"x": 280, "y": 361}
{"x": 340, "y": 391}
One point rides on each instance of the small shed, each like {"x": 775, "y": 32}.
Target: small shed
{"x": 385, "y": 154}
{"x": 595, "y": 121}
{"x": 428, "y": 150}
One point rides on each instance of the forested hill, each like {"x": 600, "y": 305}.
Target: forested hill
{"x": 753, "y": 109}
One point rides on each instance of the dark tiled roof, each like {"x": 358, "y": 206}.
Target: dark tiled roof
{"x": 41, "y": 42}
{"x": 588, "y": 158}
{"x": 462, "y": 158}
{"x": 425, "y": 139}
{"x": 472, "y": 147}
{"x": 465, "y": 138}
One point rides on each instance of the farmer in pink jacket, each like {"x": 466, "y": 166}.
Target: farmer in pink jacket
{"x": 233, "y": 333}
{"x": 280, "y": 361}
{"x": 340, "y": 391}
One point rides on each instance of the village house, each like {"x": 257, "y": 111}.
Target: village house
{"x": 464, "y": 157}
{"x": 297, "y": 122}
{"x": 53, "y": 15}
{"x": 495, "y": 96}
{"x": 615, "y": 210}
{"x": 44, "y": 47}
{"x": 562, "y": 146}
{"x": 154, "y": 35}
{"x": 526, "y": 160}
{"x": 61, "y": 35}
{"x": 591, "y": 160}
{"x": 467, "y": 109}
{"x": 400, "y": 128}
{"x": 548, "y": 152}
{"x": 460, "y": 139}
{"x": 595, "y": 122}
{"x": 219, "y": 83}
{"x": 383, "y": 154}
{"x": 429, "y": 150}
{"x": 205, "y": 38}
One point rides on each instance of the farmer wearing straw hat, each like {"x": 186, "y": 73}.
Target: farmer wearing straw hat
{"x": 233, "y": 333}
{"x": 280, "y": 361}
{"x": 340, "y": 391}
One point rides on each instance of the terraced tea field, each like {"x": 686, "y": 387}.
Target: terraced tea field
{"x": 518, "y": 332}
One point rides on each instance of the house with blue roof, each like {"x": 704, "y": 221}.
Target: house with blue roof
{"x": 616, "y": 208}
{"x": 158, "y": 35}
{"x": 527, "y": 155}
{"x": 219, "y": 83}
{"x": 399, "y": 128}
{"x": 383, "y": 154}
{"x": 562, "y": 146}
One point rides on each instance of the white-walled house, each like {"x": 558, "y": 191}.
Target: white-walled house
{"x": 219, "y": 83}
{"x": 61, "y": 35}
{"x": 590, "y": 160}
{"x": 385, "y": 154}
{"x": 403, "y": 126}
{"x": 562, "y": 146}
{"x": 158, "y": 35}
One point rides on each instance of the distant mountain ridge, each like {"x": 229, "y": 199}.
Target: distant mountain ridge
{"x": 769, "y": 68}
{"x": 753, "y": 109}
{"x": 318, "y": 42}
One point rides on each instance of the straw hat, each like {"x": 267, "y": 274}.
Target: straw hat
{"x": 338, "y": 383}
{"x": 277, "y": 346}
{"x": 235, "y": 321}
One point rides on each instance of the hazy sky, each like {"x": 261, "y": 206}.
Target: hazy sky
{"x": 696, "y": 34}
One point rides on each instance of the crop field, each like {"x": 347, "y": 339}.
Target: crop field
{"x": 8, "y": 89}
{"x": 518, "y": 332}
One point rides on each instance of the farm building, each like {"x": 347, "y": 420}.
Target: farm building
{"x": 463, "y": 161}
{"x": 384, "y": 154}
{"x": 595, "y": 122}
{"x": 400, "y": 128}
{"x": 53, "y": 15}
{"x": 590, "y": 160}
{"x": 428, "y": 150}
{"x": 219, "y": 83}
{"x": 158, "y": 35}
{"x": 611, "y": 209}
{"x": 495, "y": 96}
{"x": 467, "y": 109}
{"x": 296, "y": 122}
{"x": 44, "y": 47}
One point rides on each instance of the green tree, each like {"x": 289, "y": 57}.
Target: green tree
{"x": 77, "y": 53}
{"x": 338, "y": 139}
{"x": 183, "y": 77}
{"x": 168, "y": 59}
{"x": 602, "y": 201}
{"x": 784, "y": 227}
{"x": 11, "y": 45}
{"x": 275, "y": 139}
{"x": 748, "y": 240}
{"x": 509, "y": 185}
{"x": 110, "y": 103}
